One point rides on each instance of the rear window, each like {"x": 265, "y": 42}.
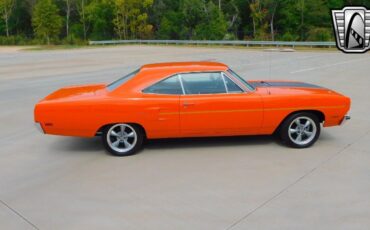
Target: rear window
{"x": 114, "y": 85}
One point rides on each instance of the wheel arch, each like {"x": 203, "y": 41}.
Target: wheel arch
{"x": 319, "y": 114}
{"x": 99, "y": 132}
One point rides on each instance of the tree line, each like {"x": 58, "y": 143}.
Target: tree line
{"x": 76, "y": 21}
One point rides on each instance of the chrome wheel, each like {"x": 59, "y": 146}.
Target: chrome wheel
{"x": 302, "y": 130}
{"x": 122, "y": 138}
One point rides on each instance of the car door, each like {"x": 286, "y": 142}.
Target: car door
{"x": 213, "y": 104}
{"x": 162, "y": 108}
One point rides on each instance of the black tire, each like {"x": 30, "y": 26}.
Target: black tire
{"x": 108, "y": 139}
{"x": 290, "y": 130}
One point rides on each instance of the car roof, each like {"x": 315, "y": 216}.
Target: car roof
{"x": 188, "y": 66}
{"x": 151, "y": 73}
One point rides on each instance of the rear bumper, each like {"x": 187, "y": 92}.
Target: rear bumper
{"x": 39, "y": 127}
{"x": 345, "y": 119}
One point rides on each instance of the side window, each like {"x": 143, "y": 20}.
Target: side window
{"x": 231, "y": 86}
{"x": 169, "y": 85}
{"x": 203, "y": 83}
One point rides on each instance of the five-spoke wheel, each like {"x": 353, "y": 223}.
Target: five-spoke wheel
{"x": 300, "y": 130}
{"x": 123, "y": 139}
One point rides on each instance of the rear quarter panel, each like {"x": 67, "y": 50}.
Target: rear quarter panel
{"x": 85, "y": 118}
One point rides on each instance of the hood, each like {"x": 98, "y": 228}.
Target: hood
{"x": 82, "y": 91}
{"x": 291, "y": 88}
{"x": 280, "y": 84}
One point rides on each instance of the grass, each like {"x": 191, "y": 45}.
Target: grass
{"x": 55, "y": 47}
{"x": 256, "y": 47}
{"x": 280, "y": 48}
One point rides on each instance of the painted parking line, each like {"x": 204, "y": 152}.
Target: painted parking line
{"x": 329, "y": 65}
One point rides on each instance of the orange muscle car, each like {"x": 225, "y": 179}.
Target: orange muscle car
{"x": 190, "y": 99}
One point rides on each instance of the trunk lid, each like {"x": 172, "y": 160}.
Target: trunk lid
{"x": 82, "y": 91}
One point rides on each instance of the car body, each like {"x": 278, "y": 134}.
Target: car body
{"x": 187, "y": 99}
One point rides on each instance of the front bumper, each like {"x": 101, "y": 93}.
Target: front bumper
{"x": 39, "y": 127}
{"x": 345, "y": 119}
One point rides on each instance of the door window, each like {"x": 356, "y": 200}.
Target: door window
{"x": 203, "y": 83}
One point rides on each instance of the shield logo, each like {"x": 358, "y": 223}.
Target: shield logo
{"x": 352, "y": 29}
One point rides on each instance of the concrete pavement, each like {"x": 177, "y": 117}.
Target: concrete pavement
{"x": 51, "y": 182}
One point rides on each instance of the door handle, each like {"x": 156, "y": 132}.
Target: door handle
{"x": 186, "y": 104}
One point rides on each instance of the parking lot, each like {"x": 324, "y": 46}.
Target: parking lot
{"x": 52, "y": 182}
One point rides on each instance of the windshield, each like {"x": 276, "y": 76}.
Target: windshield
{"x": 242, "y": 80}
{"x": 114, "y": 85}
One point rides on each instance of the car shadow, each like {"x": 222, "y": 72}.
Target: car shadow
{"x": 78, "y": 144}
{"x": 70, "y": 144}
{"x": 204, "y": 142}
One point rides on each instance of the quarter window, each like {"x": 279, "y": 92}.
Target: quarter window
{"x": 203, "y": 83}
{"x": 169, "y": 85}
{"x": 231, "y": 86}
{"x": 242, "y": 80}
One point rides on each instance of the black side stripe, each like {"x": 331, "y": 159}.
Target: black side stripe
{"x": 284, "y": 84}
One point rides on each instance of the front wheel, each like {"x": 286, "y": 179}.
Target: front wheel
{"x": 123, "y": 139}
{"x": 300, "y": 130}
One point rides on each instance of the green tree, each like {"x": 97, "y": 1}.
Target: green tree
{"x": 160, "y": 9}
{"x": 299, "y": 20}
{"x": 46, "y": 21}
{"x": 131, "y": 18}
{"x": 81, "y": 9}
{"x": 68, "y": 4}
{"x": 168, "y": 20}
{"x": 193, "y": 11}
{"x": 6, "y": 9}
{"x": 100, "y": 15}
{"x": 272, "y": 7}
{"x": 258, "y": 14}
{"x": 20, "y": 22}
{"x": 231, "y": 13}
{"x": 213, "y": 26}
{"x": 172, "y": 26}
{"x": 289, "y": 20}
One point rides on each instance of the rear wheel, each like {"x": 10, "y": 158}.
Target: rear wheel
{"x": 123, "y": 139}
{"x": 300, "y": 130}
